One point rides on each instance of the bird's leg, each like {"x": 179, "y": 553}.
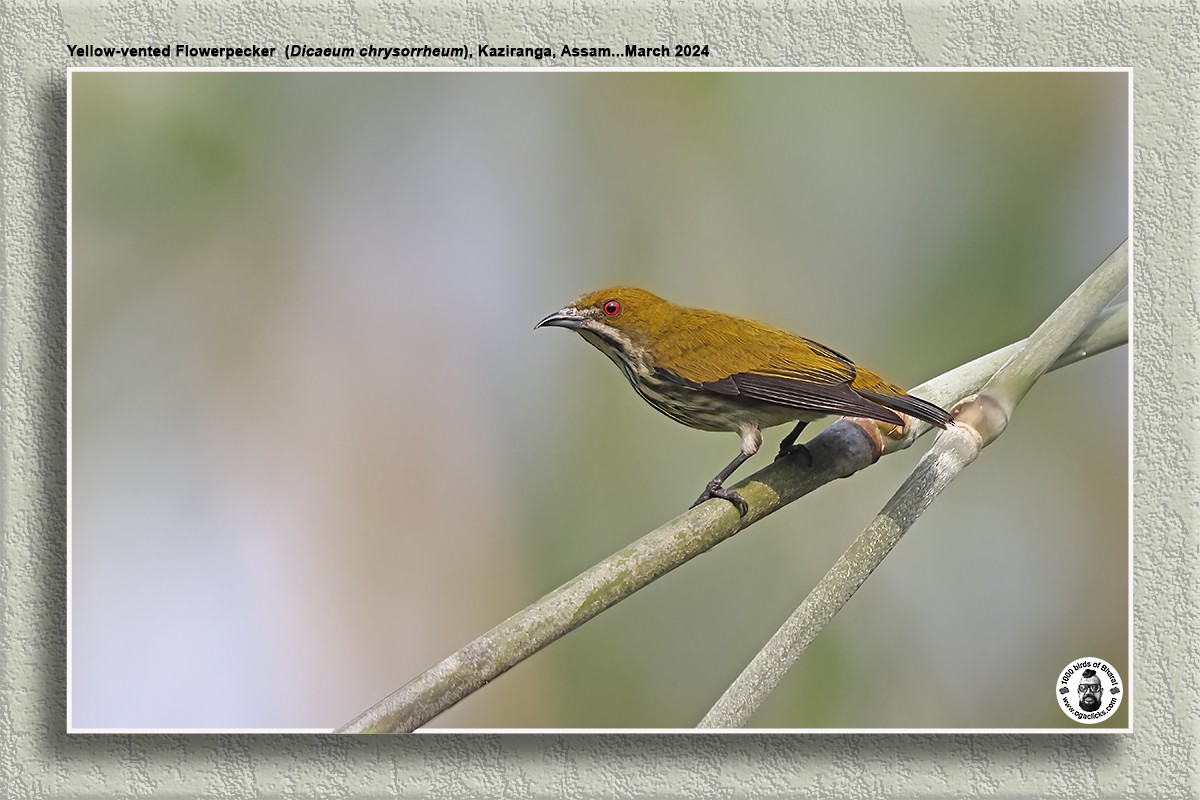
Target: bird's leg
{"x": 715, "y": 489}
{"x": 751, "y": 441}
{"x": 788, "y": 446}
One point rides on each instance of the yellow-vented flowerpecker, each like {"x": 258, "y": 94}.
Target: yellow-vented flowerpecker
{"x": 718, "y": 372}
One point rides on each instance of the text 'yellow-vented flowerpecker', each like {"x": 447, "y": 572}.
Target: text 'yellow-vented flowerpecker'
{"x": 718, "y": 372}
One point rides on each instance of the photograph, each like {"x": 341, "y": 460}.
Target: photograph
{"x": 363, "y": 364}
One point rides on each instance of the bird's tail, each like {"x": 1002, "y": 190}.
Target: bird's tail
{"x": 913, "y": 406}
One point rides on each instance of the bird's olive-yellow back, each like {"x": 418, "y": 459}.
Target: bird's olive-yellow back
{"x": 706, "y": 346}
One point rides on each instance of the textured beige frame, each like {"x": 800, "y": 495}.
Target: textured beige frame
{"x": 38, "y": 759}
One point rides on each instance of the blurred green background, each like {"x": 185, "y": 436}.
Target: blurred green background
{"x": 317, "y": 445}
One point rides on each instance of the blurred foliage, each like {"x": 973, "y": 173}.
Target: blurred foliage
{"x": 317, "y": 445}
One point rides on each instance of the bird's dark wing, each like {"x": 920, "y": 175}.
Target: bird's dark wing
{"x": 789, "y": 390}
{"x": 811, "y": 376}
{"x": 828, "y": 398}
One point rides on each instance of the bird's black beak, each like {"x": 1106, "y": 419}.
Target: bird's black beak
{"x": 565, "y": 318}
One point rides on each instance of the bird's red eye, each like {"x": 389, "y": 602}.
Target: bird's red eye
{"x": 611, "y": 308}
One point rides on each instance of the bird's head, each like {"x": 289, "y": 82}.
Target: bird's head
{"x": 619, "y": 321}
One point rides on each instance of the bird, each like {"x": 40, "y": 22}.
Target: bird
{"x": 717, "y": 372}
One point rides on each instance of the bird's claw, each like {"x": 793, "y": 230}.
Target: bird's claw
{"x": 795, "y": 450}
{"x": 714, "y": 489}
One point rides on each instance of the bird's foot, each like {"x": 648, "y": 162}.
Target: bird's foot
{"x": 796, "y": 450}
{"x": 715, "y": 489}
